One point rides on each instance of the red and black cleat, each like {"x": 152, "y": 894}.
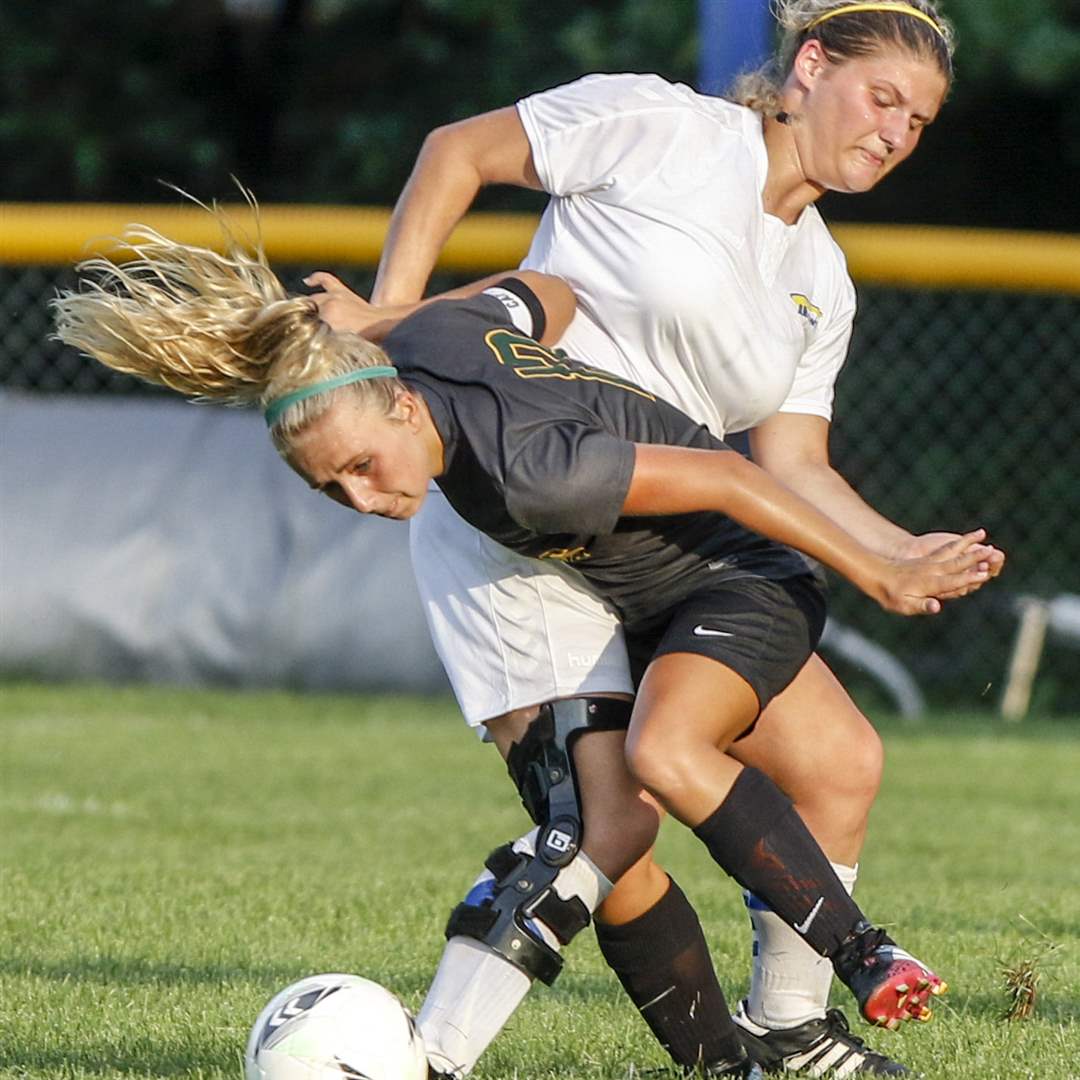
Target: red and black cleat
{"x": 889, "y": 984}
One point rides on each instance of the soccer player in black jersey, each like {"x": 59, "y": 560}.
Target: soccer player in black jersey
{"x": 563, "y": 462}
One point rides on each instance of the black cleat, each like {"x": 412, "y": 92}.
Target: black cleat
{"x": 824, "y": 1047}
{"x": 745, "y": 1068}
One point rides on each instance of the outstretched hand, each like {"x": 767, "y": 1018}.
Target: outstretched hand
{"x": 948, "y": 567}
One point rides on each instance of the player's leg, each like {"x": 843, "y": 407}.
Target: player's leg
{"x": 509, "y": 930}
{"x": 498, "y": 653}
{"x": 536, "y": 896}
{"x": 698, "y": 696}
{"x": 647, "y": 930}
{"x": 815, "y": 744}
{"x": 482, "y": 603}
{"x": 656, "y": 947}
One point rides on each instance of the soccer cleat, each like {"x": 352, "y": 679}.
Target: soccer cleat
{"x": 824, "y": 1047}
{"x": 889, "y": 984}
{"x": 744, "y": 1067}
{"x": 747, "y": 1069}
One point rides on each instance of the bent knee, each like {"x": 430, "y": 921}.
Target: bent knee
{"x": 862, "y": 761}
{"x": 661, "y": 767}
{"x": 871, "y": 757}
{"x": 849, "y": 767}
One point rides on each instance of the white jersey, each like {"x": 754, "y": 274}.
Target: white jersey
{"x": 685, "y": 285}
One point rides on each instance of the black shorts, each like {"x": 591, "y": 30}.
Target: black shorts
{"x": 764, "y": 630}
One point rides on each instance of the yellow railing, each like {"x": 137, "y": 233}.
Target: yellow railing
{"x": 56, "y": 234}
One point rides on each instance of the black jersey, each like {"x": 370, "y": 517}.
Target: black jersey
{"x": 539, "y": 455}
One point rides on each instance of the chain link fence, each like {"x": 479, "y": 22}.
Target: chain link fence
{"x": 956, "y": 409}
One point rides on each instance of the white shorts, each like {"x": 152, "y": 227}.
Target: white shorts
{"x": 510, "y": 631}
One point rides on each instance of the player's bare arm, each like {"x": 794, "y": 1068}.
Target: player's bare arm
{"x": 794, "y": 448}
{"x": 676, "y": 480}
{"x": 343, "y": 309}
{"x": 454, "y": 163}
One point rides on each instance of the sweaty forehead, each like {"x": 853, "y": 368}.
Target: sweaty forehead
{"x": 905, "y": 63}
{"x": 918, "y": 79}
{"x": 316, "y": 445}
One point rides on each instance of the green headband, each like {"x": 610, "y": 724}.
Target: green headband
{"x": 277, "y": 407}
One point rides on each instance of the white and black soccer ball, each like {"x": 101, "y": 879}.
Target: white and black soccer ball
{"x": 335, "y": 1027}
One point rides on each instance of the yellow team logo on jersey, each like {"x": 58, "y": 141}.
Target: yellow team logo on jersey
{"x": 528, "y": 360}
{"x": 807, "y": 308}
{"x": 566, "y": 555}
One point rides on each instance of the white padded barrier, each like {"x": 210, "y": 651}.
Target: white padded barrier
{"x": 149, "y": 539}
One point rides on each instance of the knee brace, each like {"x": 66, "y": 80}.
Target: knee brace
{"x": 542, "y": 766}
{"x": 509, "y": 909}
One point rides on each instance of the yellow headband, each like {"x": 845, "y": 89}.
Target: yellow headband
{"x": 904, "y": 9}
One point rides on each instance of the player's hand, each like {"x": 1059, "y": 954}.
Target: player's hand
{"x": 344, "y": 310}
{"x": 915, "y": 547}
{"x": 955, "y": 568}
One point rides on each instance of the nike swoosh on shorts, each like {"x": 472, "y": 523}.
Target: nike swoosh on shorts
{"x": 708, "y": 631}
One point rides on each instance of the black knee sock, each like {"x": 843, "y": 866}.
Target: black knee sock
{"x": 663, "y": 963}
{"x": 757, "y": 836}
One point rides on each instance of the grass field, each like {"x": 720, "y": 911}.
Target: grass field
{"x": 171, "y": 859}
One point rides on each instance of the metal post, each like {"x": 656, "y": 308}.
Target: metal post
{"x": 736, "y": 36}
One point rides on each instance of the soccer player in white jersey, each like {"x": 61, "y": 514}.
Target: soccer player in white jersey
{"x": 687, "y": 227}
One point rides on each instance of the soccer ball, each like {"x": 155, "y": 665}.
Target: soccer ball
{"x": 335, "y": 1027}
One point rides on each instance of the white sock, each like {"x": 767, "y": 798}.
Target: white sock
{"x": 789, "y": 982}
{"x": 475, "y": 991}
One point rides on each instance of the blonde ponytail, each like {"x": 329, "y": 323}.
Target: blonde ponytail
{"x": 210, "y": 325}
{"x": 215, "y": 327}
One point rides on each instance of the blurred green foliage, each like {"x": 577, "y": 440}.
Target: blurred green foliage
{"x": 328, "y": 100}
{"x": 1033, "y": 44}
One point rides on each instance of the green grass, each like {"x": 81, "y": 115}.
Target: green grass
{"x": 168, "y": 860}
